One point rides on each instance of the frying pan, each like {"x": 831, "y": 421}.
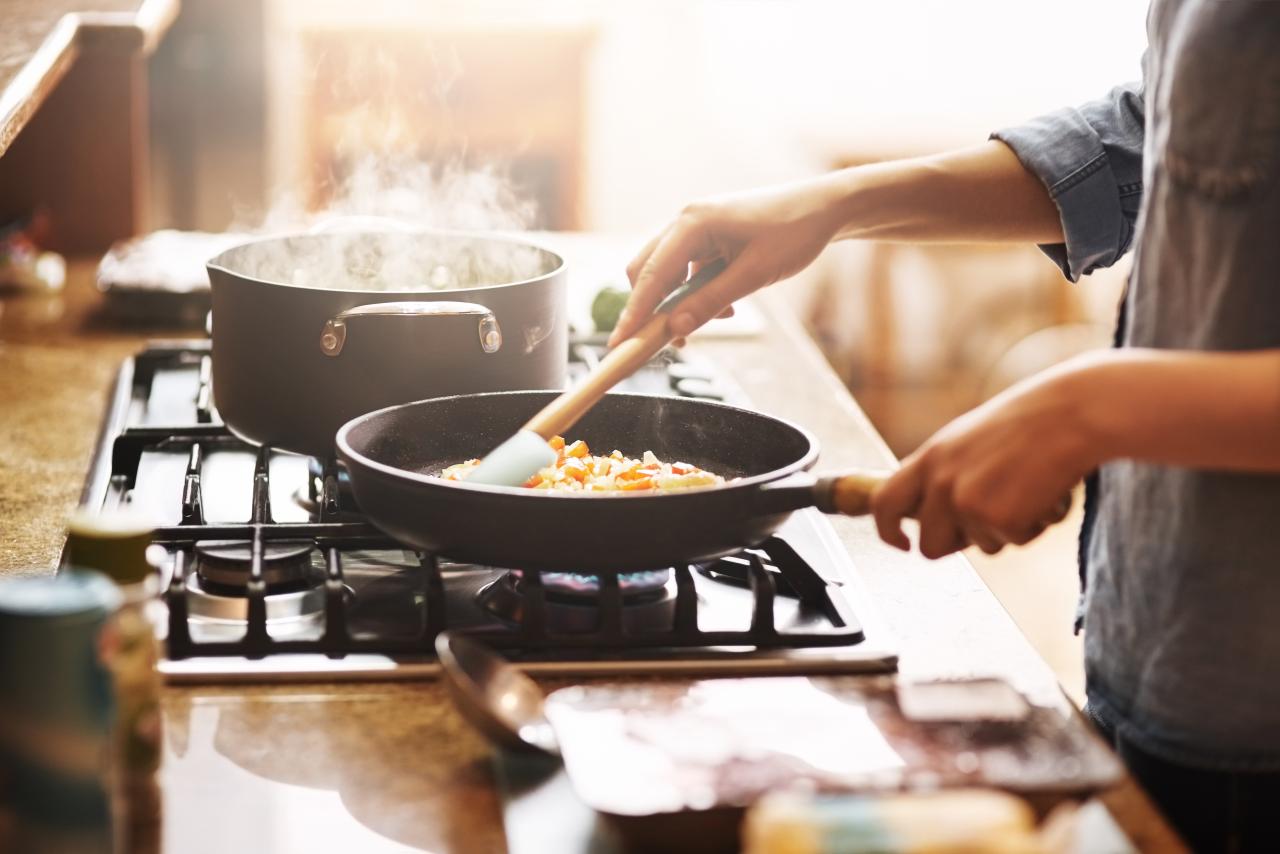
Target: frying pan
{"x": 393, "y": 455}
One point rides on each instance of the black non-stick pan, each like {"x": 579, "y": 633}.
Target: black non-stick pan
{"x": 393, "y": 456}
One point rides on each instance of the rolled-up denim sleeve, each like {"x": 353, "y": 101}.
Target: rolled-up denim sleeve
{"x": 1090, "y": 159}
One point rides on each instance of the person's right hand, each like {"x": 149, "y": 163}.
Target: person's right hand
{"x": 764, "y": 236}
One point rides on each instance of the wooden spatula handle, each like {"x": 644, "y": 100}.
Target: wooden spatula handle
{"x": 622, "y": 361}
{"x": 849, "y": 493}
{"x": 618, "y": 364}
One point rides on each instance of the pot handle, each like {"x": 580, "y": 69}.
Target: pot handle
{"x": 334, "y": 335}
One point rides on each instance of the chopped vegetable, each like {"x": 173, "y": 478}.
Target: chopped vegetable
{"x": 607, "y": 307}
{"x": 576, "y": 469}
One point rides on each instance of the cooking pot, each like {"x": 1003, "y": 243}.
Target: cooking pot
{"x": 311, "y": 330}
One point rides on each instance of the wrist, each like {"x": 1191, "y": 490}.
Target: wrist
{"x": 845, "y": 197}
{"x": 1085, "y": 385}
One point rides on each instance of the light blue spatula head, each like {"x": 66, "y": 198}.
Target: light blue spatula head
{"x": 514, "y": 461}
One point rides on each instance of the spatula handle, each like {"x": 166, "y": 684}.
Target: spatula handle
{"x": 620, "y": 362}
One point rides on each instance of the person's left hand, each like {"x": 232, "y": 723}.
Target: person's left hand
{"x": 998, "y": 474}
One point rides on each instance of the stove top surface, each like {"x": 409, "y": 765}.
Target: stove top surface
{"x": 334, "y": 598}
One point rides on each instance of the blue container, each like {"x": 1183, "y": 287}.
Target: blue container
{"x": 56, "y": 706}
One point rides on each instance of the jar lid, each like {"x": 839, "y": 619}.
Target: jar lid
{"x": 111, "y": 541}
{"x": 69, "y": 593}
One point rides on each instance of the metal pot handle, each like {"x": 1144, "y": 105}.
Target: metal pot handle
{"x": 334, "y": 335}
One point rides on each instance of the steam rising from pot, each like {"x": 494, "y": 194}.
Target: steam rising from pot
{"x": 393, "y": 176}
{"x": 371, "y": 235}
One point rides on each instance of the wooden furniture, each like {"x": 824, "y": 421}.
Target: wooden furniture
{"x": 73, "y": 115}
{"x": 458, "y": 95}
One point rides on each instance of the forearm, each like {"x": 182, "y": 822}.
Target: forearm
{"x": 976, "y": 194}
{"x": 1183, "y": 408}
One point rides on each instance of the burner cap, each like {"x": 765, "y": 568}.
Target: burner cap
{"x": 587, "y": 586}
{"x": 226, "y": 563}
{"x": 572, "y": 600}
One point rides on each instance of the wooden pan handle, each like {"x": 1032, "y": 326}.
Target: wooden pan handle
{"x": 621, "y": 362}
{"x": 849, "y": 493}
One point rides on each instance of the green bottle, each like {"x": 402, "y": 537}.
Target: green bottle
{"x": 115, "y": 543}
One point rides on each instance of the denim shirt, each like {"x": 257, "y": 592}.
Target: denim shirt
{"x": 1182, "y": 606}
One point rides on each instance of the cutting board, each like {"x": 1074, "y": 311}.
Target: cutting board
{"x": 697, "y": 754}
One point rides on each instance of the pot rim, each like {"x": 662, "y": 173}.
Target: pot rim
{"x": 218, "y": 261}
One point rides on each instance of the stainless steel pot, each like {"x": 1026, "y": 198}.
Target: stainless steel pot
{"x": 310, "y": 331}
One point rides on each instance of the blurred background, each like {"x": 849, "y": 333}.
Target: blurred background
{"x": 608, "y": 117}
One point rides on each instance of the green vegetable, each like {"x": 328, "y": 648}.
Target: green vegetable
{"x": 607, "y": 307}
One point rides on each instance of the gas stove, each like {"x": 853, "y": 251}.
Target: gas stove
{"x": 338, "y": 599}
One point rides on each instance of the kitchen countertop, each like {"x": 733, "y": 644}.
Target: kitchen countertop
{"x": 374, "y": 767}
{"x": 40, "y": 39}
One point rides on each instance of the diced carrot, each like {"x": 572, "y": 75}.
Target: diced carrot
{"x": 556, "y": 443}
{"x": 575, "y": 469}
{"x": 578, "y": 449}
{"x": 533, "y": 481}
{"x": 639, "y": 483}
{"x": 683, "y": 468}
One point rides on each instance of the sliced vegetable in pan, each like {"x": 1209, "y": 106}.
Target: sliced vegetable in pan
{"x": 577, "y": 470}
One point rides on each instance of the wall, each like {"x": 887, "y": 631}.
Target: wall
{"x": 704, "y": 97}
{"x": 692, "y": 97}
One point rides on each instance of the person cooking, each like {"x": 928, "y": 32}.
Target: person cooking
{"x": 1176, "y": 430}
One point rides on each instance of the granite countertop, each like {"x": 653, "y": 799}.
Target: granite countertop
{"x": 374, "y": 767}
{"x": 40, "y": 38}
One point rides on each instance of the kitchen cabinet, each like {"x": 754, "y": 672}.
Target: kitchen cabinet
{"x": 73, "y": 116}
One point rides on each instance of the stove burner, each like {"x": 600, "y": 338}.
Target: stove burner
{"x": 223, "y": 565}
{"x": 582, "y": 585}
{"x": 217, "y": 613}
{"x": 648, "y": 600}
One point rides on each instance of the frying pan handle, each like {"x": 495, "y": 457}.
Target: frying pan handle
{"x": 334, "y": 335}
{"x": 848, "y": 493}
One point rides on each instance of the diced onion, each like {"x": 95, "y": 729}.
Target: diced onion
{"x": 579, "y": 471}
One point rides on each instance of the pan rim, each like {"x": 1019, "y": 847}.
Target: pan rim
{"x": 218, "y": 262}
{"x": 803, "y": 463}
